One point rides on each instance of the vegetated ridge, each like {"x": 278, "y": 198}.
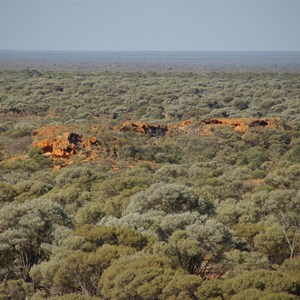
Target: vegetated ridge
{"x": 61, "y": 142}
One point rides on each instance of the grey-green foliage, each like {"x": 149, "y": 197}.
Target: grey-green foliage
{"x": 200, "y": 246}
{"x": 211, "y": 233}
{"x": 285, "y": 207}
{"x": 181, "y": 287}
{"x": 147, "y": 222}
{"x": 40, "y": 188}
{"x": 7, "y": 192}
{"x": 227, "y": 212}
{"x": 156, "y": 223}
{"x": 271, "y": 242}
{"x": 15, "y": 289}
{"x": 160, "y": 210}
{"x": 254, "y": 285}
{"x": 74, "y": 174}
{"x": 170, "y": 198}
{"x": 168, "y": 173}
{"x": 251, "y": 208}
{"x": 256, "y": 294}
{"x": 73, "y": 297}
{"x": 264, "y": 280}
{"x": 28, "y": 231}
{"x": 81, "y": 271}
{"x": 136, "y": 277}
{"x": 294, "y": 154}
{"x": 90, "y": 213}
{"x": 24, "y": 186}
{"x": 254, "y": 157}
{"x": 39, "y": 159}
{"x": 42, "y": 274}
{"x": 179, "y": 221}
{"x": 238, "y": 261}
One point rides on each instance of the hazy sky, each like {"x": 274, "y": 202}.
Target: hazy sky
{"x": 150, "y": 25}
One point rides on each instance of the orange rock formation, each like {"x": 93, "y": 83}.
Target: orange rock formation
{"x": 56, "y": 141}
{"x": 241, "y": 125}
{"x": 59, "y": 142}
{"x": 90, "y": 142}
{"x": 181, "y": 125}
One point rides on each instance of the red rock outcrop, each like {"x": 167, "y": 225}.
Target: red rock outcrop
{"x": 180, "y": 126}
{"x": 62, "y": 143}
{"x": 90, "y": 142}
{"x": 206, "y": 126}
{"x": 241, "y": 125}
{"x": 58, "y": 142}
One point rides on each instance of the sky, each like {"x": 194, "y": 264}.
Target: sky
{"x": 141, "y": 25}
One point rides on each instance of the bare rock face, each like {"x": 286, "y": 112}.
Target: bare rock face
{"x": 58, "y": 142}
{"x": 90, "y": 142}
{"x": 241, "y": 125}
{"x": 205, "y": 127}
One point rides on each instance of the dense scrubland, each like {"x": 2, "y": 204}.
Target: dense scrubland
{"x": 121, "y": 213}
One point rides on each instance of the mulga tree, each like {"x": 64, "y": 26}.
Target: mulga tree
{"x": 27, "y": 233}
